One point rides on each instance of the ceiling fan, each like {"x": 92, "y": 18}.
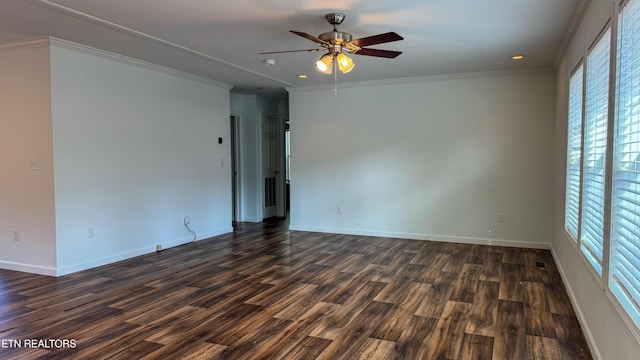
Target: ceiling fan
{"x": 337, "y": 43}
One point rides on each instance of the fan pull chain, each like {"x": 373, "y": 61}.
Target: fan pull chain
{"x": 335, "y": 76}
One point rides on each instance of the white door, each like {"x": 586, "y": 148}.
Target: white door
{"x": 269, "y": 166}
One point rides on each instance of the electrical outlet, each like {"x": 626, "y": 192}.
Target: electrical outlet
{"x": 340, "y": 209}
{"x": 490, "y": 233}
{"x": 16, "y": 235}
{"x": 187, "y": 220}
{"x": 500, "y": 217}
{"x": 90, "y": 233}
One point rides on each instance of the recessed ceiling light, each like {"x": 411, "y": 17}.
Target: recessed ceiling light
{"x": 517, "y": 57}
{"x": 302, "y": 76}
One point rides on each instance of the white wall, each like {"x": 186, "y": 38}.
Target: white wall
{"x": 608, "y": 335}
{"x": 26, "y": 195}
{"x": 135, "y": 150}
{"x": 427, "y": 159}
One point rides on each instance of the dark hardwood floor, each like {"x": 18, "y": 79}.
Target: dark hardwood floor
{"x": 266, "y": 293}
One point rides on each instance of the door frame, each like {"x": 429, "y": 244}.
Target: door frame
{"x": 236, "y": 188}
{"x": 282, "y": 166}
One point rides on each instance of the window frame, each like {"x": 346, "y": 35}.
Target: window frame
{"x": 575, "y": 241}
{"x": 611, "y": 23}
{"x": 608, "y": 25}
{"x": 632, "y": 322}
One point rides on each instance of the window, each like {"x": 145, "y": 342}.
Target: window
{"x": 624, "y": 268}
{"x": 595, "y": 147}
{"x": 574, "y": 140}
{"x": 602, "y": 207}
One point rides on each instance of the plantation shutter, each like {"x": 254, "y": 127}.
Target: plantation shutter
{"x": 574, "y": 144}
{"x": 595, "y": 146}
{"x": 624, "y": 279}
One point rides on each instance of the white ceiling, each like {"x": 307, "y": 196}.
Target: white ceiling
{"x": 221, "y": 39}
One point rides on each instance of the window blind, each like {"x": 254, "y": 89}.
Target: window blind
{"x": 595, "y": 146}
{"x": 624, "y": 271}
{"x": 574, "y": 144}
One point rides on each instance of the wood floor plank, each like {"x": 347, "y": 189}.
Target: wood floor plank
{"x": 376, "y": 349}
{"x": 492, "y": 267}
{"x": 476, "y": 347}
{"x": 244, "y": 347}
{"x": 338, "y": 320}
{"x": 572, "y": 345}
{"x": 511, "y": 255}
{"x": 437, "y": 297}
{"x": 556, "y": 294}
{"x": 484, "y": 311}
{"x": 511, "y": 282}
{"x": 542, "y": 348}
{"x": 538, "y": 318}
{"x": 416, "y": 338}
{"x": 394, "y": 291}
{"x": 205, "y": 351}
{"x": 449, "y": 333}
{"x": 435, "y": 269}
{"x": 172, "y": 326}
{"x": 287, "y": 339}
{"x": 349, "y": 286}
{"x": 457, "y": 253}
{"x": 231, "y": 329}
{"x": 476, "y": 255}
{"x": 266, "y": 292}
{"x": 358, "y": 332}
{"x": 401, "y": 313}
{"x": 309, "y": 348}
{"x": 534, "y": 267}
{"x": 510, "y": 335}
{"x": 464, "y": 288}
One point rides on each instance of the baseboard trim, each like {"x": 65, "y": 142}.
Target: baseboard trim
{"x": 28, "y": 268}
{"x": 69, "y": 269}
{"x": 581, "y": 319}
{"x": 428, "y": 237}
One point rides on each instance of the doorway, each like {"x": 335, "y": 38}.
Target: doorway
{"x": 270, "y": 166}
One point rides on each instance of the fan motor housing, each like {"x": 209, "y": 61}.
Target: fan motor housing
{"x": 335, "y": 37}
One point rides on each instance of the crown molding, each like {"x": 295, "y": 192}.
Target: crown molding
{"x": 422, "y": 79}
{"x": 577, "y": 15}
{"x": 25, "y": 44}
{"x": 48, "y": 41}
{"x": 131, "y": 61}
{"x": 50, "y": 5}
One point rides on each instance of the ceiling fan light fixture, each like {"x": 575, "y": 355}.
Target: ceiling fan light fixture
{"x": 324, "y": 64}
{"x": 345, "y": 63}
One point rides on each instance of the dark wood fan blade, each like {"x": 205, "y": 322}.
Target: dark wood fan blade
{"x": 310, "y": 37}
{"x": 377, "y": 39}
{"x": 378, "y": 53}
{"x": 288, "y": 51}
